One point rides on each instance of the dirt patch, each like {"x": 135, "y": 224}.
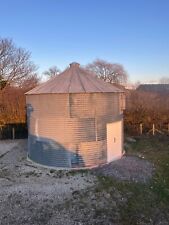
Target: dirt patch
{"x": 129, "y": 168}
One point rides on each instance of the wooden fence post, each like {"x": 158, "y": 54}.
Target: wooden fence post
{"x": 141, "y": 128}
{"x": 13, "y": 133}
{"x": 153, "y": 129}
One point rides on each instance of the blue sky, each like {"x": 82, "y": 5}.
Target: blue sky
{"x": 134, "y": 33}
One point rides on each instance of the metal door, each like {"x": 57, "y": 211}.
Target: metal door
{"x": 114, "y": 140}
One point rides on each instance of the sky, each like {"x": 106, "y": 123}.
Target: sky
{"x": 134, "y": 33}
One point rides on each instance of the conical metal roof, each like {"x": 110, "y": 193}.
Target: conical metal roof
{"x": 74, "y": 80}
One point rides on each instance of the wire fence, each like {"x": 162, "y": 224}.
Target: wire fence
{"x": 151, "y": 129}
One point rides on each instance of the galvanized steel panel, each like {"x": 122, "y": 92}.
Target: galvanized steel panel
{"x": 67, "y": 129}
{"x": 48, "y": 152}
{"x": 70, "y": 130}
{"x": 93, "y": 153}
{"x": 50, "y": 104}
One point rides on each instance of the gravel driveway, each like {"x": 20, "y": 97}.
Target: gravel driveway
{"x": 26, "y": 188}
{"x": 35, "y": 195}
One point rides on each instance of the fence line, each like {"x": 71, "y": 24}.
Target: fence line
{"x": 141, "y": 128}
{"x": 13, "y": 131}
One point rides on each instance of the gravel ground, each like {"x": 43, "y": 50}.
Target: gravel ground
{"x": 32, "y": 195}
{"x": 26, "y": 189}
{"x": 130, "y": 168}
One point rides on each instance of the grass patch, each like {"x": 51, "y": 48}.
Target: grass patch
{"x": 156, "y": 150}
{"x": 112, "y": 201}
{"x": 144, "y": 203}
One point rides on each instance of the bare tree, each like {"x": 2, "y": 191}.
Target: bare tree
{"x": 15, "y": 63}
{"x": 164, "y": 80}
{"x": 109, "y": 72}
{"x": 135, "y": 85}
{"x": 52, "y": 72}
{"x": 30, "y": 82}
{"x": 2, "y": 83}
{"x": 12, "y": 105}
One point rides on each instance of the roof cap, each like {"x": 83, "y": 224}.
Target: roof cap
{"x": 74, "y": 64}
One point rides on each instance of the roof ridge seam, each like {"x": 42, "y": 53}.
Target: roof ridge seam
{"x": 81, "y": 82}
{"x": 93, "y": 82}
{"x": 70, "y": 82}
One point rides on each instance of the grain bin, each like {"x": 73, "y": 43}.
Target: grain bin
{"x": 75, "y": 120}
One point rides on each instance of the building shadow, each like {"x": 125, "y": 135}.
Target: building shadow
{"x": 49, "y": 152}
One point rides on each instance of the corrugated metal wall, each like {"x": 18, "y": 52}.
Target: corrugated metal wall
{"x": 69, "y": 130}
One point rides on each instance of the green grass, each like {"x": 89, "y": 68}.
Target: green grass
{"x": 112, "y": 201}
{"x": 145, "y": 203}
{"x": 156, "y": 150}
